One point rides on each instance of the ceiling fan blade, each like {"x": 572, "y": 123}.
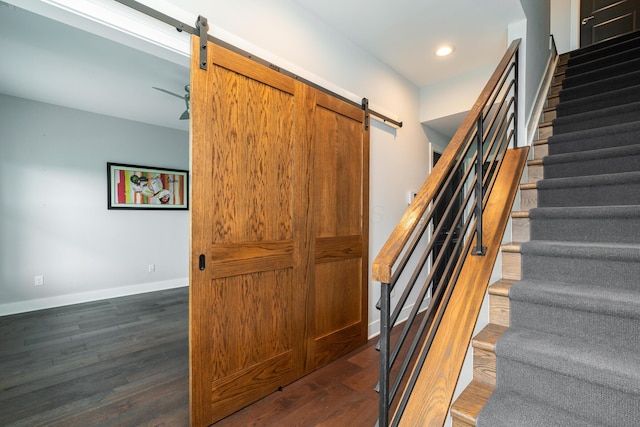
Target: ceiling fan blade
{"x": 167, "y": 92}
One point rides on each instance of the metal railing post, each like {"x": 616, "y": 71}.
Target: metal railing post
{"x": 515, "y": 103}
{"x": 479, "y": 249}
{"x": 385, "y": 331}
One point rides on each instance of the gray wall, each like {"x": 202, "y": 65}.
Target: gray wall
{"x": 54, "y": 219}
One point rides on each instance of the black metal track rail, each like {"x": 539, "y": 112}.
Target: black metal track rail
{"x": 181, "y": 26}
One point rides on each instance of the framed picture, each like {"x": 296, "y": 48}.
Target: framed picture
{"x": 144, "y": 187}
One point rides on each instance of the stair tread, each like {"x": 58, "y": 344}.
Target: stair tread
{"x": 624, "y": 302}
{"x": 582, "y": 212}
{"x": 470, "y": 402}
{"x": 486, "y": 339}
{"x": 600, "y": 153}
{"x": 541, "y": 141}
{"x": 520, "y": 214}
{"x": 554, "y": 247}
{"x": 617, "y": 368}
{"x": 530, "y": 413}
{"x": 513, "y": 247}
{"x": 535, "y": 162}
{"x": 501, "y": 287}
{"x": 587, "y": 116}
{"x": 587, "y": 180}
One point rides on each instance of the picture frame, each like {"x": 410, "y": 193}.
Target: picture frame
{"x": 146, "y": 187}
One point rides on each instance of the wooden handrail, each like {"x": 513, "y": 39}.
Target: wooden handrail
{"x": 388, "y": 255}
{"x": 430, "y": 399}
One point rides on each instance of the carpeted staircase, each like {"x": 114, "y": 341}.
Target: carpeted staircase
{"x": 571, "y": 354}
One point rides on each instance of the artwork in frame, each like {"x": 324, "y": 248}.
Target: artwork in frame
{"x": 144, "y": 187}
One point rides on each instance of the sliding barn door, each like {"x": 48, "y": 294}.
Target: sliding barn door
{"x": 340, "y": 188}
{"x": 278, "y": 232}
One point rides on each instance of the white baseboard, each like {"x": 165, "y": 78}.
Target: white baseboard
{"x": 61, "y": 300}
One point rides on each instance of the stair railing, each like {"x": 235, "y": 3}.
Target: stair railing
{"x": 439, "y": 226}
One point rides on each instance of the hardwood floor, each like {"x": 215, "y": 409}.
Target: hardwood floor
{"x": 124, "y": 362}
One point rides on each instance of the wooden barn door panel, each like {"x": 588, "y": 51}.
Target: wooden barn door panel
{"x": 246, "y": 306}
{"x": 341, "y": 176}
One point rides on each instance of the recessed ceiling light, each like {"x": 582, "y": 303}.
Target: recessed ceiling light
{"x": 444, "y": 50}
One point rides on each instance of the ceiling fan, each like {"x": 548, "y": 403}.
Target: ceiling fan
{"x": 185, "y": 115}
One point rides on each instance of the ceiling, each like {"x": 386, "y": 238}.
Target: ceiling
{"x": 47, "y": 61}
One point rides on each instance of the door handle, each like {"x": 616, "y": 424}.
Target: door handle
{"x": 587, "y": 19}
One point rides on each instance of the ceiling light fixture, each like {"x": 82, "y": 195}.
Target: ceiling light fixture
{"x": 444, "y": 50}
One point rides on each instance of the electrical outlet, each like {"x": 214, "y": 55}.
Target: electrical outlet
{"x": 152, "y": 268}
{"x": 39, "y": 280}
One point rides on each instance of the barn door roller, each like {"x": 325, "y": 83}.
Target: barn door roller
{"x": 203, "y": 28}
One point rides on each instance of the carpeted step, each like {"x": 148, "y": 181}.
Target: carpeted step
{"x": 601, "y": 48}
{"x": 616, "y": 265}
{"x": 594, "y": 119}
{"x": 622, "y": 96}
{"x": 613, "y": 224}
{"x": 595, "y": 190}
{"x": 593, "y": 162}
{"x": 499, "y": 412}
{"x": 575, "y": 79}
{"x": 594, "y": 382}
{"x": 603, "y": 45}
{"x": 593, "y": 313}
{"x": 601, "y": 62}
{"x": 608, "y": 136}
{"x": 600, "y": 86}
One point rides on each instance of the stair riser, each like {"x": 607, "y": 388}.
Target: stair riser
{"x": 511, "y": 266}
{"x": 499, "y": 310}
{"x": 611, "y": 272}
{"x": 600, "y": 404}
{"x": 598, "y": 195}
{"x": 552, "y": 101}
{"x": 535, "y": 173}
{"x": 457, "y": 422}
{"x": 540, "y": 150}
{"x": 528, "y": 199}
{"x": 595, "y": 328}
{"x": 484, "y": 366}
{"x": 545, "y": 131}
{"x": 547, "y": 116}
{"x": 558, "y": 77}
{"x": 520, "y": 229}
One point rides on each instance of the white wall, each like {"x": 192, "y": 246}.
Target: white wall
{"x": 565, "y": 24}
{"x": 53, "y": 203}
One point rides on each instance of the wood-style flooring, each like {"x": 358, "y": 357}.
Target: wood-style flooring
{"x": 124, "y": 362}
